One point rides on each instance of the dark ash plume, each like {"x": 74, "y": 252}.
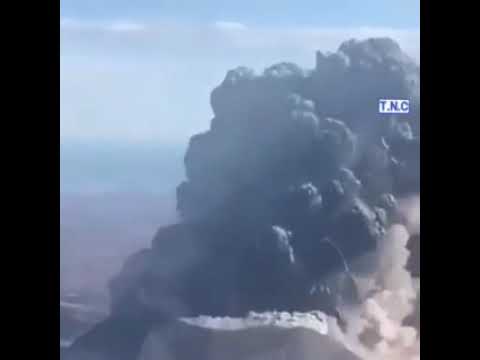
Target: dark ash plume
{"x": 292, "y": 186}
{"x": 292, "y": 158}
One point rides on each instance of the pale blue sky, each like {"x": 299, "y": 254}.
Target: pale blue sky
{"x": 142, "y": 71}
{"x": 324, "y": 13}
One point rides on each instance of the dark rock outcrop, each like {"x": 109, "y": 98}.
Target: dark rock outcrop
{"x": 211, "y": 339}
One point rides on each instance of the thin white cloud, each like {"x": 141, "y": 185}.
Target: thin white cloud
{"x": 73, "y": 25}
{"x": 229, "y": 25}
{"x": 179, "y": 39}
{"x": 125, "y": 26}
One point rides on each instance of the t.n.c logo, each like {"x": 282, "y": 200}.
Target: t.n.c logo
{"x": 386, "y": 106}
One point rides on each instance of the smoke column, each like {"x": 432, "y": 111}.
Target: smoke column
{"x": 300, "y": 196}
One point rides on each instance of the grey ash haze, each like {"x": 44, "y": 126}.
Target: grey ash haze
{"x": 287, "y": 196}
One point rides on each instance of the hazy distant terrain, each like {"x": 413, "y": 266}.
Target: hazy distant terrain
{"x": 113, "y": 199}
{"x": 99, "y": 167}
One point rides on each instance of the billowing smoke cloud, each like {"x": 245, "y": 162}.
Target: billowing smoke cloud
{"x": 387, "y": 323}
{"x": 291, "y": 202}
